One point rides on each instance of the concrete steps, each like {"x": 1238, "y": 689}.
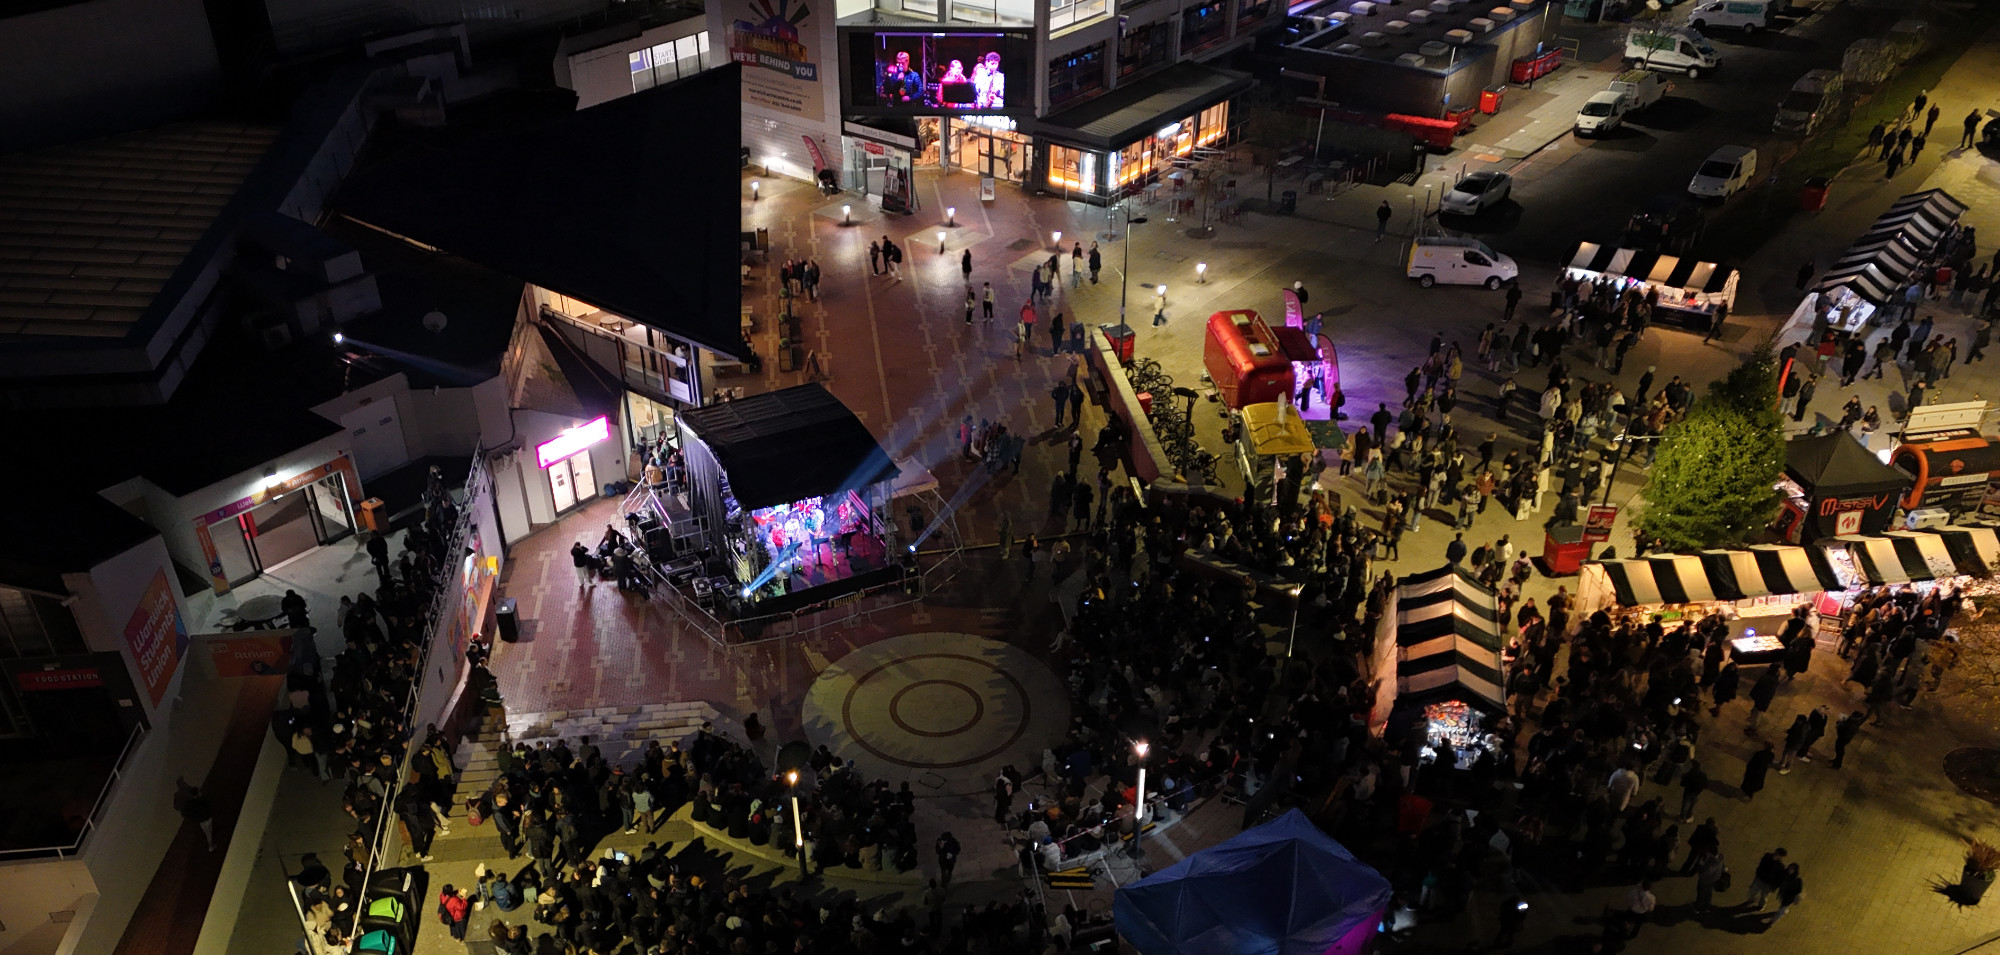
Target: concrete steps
{"x": 620, "y": 733}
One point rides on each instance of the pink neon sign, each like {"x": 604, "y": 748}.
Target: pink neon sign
{"x": 572, "y": 440}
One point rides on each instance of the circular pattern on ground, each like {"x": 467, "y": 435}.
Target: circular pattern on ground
{"x": 1975, "y": 771}
{"x": 943, "y": 710}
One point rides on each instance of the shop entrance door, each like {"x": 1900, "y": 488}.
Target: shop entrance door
{"x": 331, "y": 519}
{"x": 571, "y": 481}
{"x": 987, "y": 152}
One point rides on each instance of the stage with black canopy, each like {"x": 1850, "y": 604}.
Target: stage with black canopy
{"x": 792, "y": 492}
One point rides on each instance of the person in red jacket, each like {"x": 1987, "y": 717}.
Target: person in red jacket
{"x": 454, "y": 909}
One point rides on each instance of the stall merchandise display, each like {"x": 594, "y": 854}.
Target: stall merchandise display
{"x": 1460, "y": 725}
{"x": 1756, "y": 648}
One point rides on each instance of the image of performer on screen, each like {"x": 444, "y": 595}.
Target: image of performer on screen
{"x": 988, "y": 83}
{"x": 955, "y": 88}
{"x": 899, "y": 84}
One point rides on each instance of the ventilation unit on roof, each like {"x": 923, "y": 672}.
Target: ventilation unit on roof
{"x": 1348, "y": 49}
{"x": 1363, "y": 8}
{"x": 1500, "y": 14}
{"x": 1418, "y": 18}
{"x": 1374, "y": 38}
{"x": 1410, "y": 59}
{"x": 1458, "y": 37}
{"x": 1397, "y": 27}
{"x": 1341, "y": 18}
{"x": 1434, "y": 48}
{"x": 1523, "y": 6}
{"x": 1446, "y": 6}
{"x": 1479, "y": 25}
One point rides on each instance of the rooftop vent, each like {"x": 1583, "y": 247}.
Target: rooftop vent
{"x": 1397, "y": 27}
{"x": 1458, "y": 37}
{"x": 1374, "y": 38}
{"x": 1501, "y": 14}
{"x": 1410, "y": 59}
{"x": 1479, "y": 25}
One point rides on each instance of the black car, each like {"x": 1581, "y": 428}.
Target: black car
{"x": 1665, "y": 223}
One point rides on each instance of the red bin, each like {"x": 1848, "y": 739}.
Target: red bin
{"x": 1121, "y": 341}
{"x": 1146, "y": 403}
{"x": 1490, "y": 99}
{"x": 1523, "y": 70}
{"x": 1812, "y": 196}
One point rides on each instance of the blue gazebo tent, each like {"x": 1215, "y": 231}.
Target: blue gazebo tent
{"x": 1282, "y": 888}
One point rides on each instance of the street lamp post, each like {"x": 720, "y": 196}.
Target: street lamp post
{"x": 1124, "y": 279}
{"x": 1618, "y": 445}
{"x": 1139, "y": 805}
{"x": 798, "y": 824}
{"x": 1292, "y": 640}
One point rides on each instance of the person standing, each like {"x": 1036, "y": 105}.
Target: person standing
{"x": 1055, "y": 336}
{"x": 1060, "y": 395}
{"x": 1931, "y": 118}
{"x": 986, "y": 303}
{"x": 971, "y": 301}
{"x": 455, "y": 910}
{"x": 1844, "y": 731}
{"x": 1382, "y": 215}
{"x": 892, "y": 255}
{"x": 1076, "y": 266}
{"x": 1770, "y": 875}
{"x": 1805, "y": 397}
{"x": 1639, "y": 905}
{"x": 1756, "y": 770}
{"x": 1791, "y": 887}
{"x": 947, "y": 858}
{"x": 378, "y": 554}
{"x": 1761, "y": 694}
{"x": 1815, "y": 728}
{"x": 1026, "y": 331}
{"x": 1706, "y": 876}
{"x": 1096, "y": 263}
{"x": 579, "y": 558}
{"x": 1694, "y": 782}
{"x": 1513, "y": 300}
{"x": 193, "y": 805}
{"x": 965, "y": 265}
{"x": 1971, "y": 128}
{"x": 1003, "y": 797}
{"x": 1794, "y": 737}
{"x": 874, "y": 258}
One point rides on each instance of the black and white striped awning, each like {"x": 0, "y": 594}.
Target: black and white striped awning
{"x": 1448, "y": 635}
{"x": 1659, "y": 268}
{"x": 1879, "y": 264}
{"x": 1976, "y": 550}
{"x": 1901, "y": 557}
{"x": 1714, "y": 575}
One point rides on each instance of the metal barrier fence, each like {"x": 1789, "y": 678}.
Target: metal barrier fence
{"x": 97, "y": 808}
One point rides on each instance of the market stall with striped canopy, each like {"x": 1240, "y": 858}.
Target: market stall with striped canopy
{"x": 1767, "y": 578}
{"x": 1448, "y": 637}
{"x": 1907, "y": 557}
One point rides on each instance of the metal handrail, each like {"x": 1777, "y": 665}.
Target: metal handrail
{"x": 97, "y": 808}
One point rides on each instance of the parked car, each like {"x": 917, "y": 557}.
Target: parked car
{"x": 1812, "y": 100}
{"x": 1459, "y": 261}
{"x": 1726, "y": 172}
{"x": 1476, "y": 193}
{"x": 1631, "y": 92}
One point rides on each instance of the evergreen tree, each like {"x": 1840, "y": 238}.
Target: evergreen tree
{"x": 1712, "y": 483}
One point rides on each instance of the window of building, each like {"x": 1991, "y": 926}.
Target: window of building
{"x": 1214, "y": 124}
{"x": 1065, "y": 13}
{"x": 1073, "y": 170}
{"x": 1145, "y": 48}
{"x": 1136, "y": 164}
{"x": 1203, "y": 25}
{"x": 669, "y": 61}
{"x": 1077, "y": 75}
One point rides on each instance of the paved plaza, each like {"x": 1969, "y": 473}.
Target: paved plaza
{"x": 942, "y": 693}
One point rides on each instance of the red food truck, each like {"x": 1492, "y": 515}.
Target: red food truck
{"x": 1244, "y": 358}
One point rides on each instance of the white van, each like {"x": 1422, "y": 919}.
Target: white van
{"x": 1631, "y": 92}
{"x": 1670, "y": 48}
{"x": 1457, "y": 261}
{"x": 1725, "y": 173}
{"x": 1746, "y": 15}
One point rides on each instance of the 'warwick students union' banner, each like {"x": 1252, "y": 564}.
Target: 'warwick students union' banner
{"x": 774, "y": 40}
{"x": 157, "y": 636}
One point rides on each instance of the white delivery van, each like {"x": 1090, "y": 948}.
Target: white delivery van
{"x": 1812, "y": 100}
{"x": 1746, "y": 15}
{"x": 1602, "y": 113}
{"x": 1677, "y": 49}
{"x": 1632, "y": 92}
{"x": 1457, "y": 261}
{"x": 1726, "y": 171}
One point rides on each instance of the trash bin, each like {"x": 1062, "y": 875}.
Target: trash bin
{"x": 1146, "y": 403}
{"x": 1564, "y": 550}
{"x": 510, "y": 622}
{"x": 1121, "y": 341}
{"x": 1288, "y": 202}
{"x": 374, "y": 515}
{"x": 1490, "y": 99}
{"x": 1812, "y": 196}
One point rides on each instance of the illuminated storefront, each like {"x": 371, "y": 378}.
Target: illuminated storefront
{"x": 1118, "y": 144}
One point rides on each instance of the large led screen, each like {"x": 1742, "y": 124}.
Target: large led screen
{"x": 940, "y": 72}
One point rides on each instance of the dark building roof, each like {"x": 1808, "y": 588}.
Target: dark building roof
{"x": 1131, "y": 113}
{"x": 789, "y": 445}
{"x": 1837, "y": 464}
{"x": 630, "y": 205}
